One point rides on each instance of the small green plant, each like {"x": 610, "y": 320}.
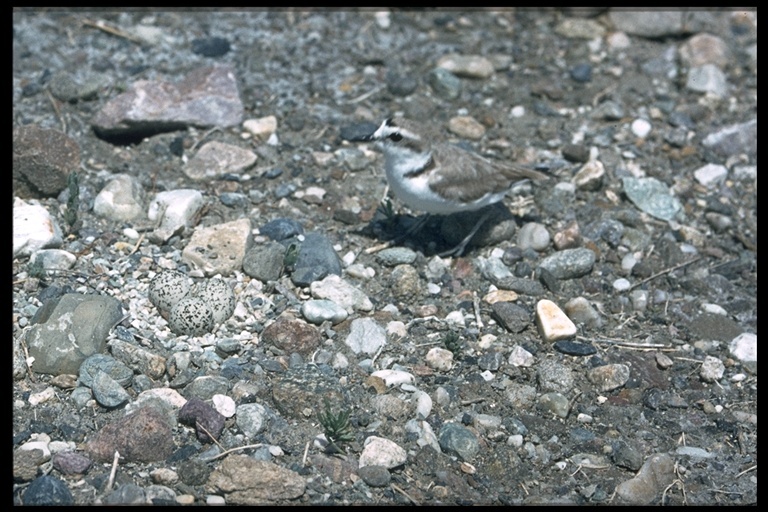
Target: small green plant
{"x": 336, "y": 427}
{"x": 452, "y": 342}
{"x": 73, "y": 203}
{"x": 291, "y": 257}
{"x": 388, "y": 211}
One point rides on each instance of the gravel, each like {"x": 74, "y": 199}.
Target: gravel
{"x": 599, "y": 349}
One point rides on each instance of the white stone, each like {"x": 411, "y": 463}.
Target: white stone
{"x": 423, "y": 404}
{"x": 744, "y": 347}
{"x": 366, "y": 336}
{"x": 439, "y": 359}
{"x": 553, "y": 324}
{"x": 33, "y": 229}
{"x": 121, "y": 199}
{"x": 174, "y": 210}
{"x": 710, "y": 175}
{"x": 394, "y": 377}
{"x": 379, "y": 451}
{"x": 521, "y": 357}
{"x": 224, "y": 405}
{"x": 641, "y": 128}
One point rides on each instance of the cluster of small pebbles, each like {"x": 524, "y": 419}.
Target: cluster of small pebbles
{"x": 192, "y": 309}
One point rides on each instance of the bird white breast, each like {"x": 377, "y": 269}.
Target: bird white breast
{"x": 415, "y": 191}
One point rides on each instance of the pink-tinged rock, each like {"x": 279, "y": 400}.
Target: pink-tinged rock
{"x": 207, "y": 96}
{"x": 143, "y": 436}
{"x": 292, "y": 335}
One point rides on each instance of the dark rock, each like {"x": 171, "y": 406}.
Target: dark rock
{"x": 375, "y": 476}
{"x": 512, "y": 317}
{"x": 573, "y": 348}
{"x": 47, "y": 490}
{"x": 281, "y": 229}
{"x": 42, "y": 161}
{"x": 71, "y": 463}
{"x": 208, "y": 422}
{"x": 316, "y": 259}
{"x": 210, "y": 46}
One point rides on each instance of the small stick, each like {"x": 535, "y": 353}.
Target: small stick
{"x": 666, "y": 271}
{"x": 210, "y": 436}
{"x": 366, "y": 95}
{"x": 306, "y": 450}
{"x": 377, "y": 248}
{"x": 222, "y": 454}
{"x": 102, "y": 25}
{"x": 398, "y": 489}
{"x": 476, "y": 307}
{"x": 111, "y": 480}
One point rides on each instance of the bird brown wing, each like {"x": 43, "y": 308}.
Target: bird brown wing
{"x": 477, "y": 177}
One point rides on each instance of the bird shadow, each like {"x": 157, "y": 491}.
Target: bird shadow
{"x": 440, "y": 234}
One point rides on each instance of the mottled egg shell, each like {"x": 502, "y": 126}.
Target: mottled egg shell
{"x": 168, "y": 288}
{"x": 219, "y": 297}
{"x": 191, "y": 316}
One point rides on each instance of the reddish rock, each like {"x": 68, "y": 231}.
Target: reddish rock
{"x": 292, "y": 335}
{"x": 143, "y": 436}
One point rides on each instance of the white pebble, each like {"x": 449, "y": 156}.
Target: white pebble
{"x": 641, "y": 128}
{"x": 621, "y": 285}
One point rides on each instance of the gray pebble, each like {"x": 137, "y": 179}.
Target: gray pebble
{"x": 375, "y": 476}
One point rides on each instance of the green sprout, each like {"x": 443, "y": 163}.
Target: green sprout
{"x": 452, "y": 342}
{"x": 291, "y": 256}
{"x": 336, "y": 427}
{"x": 73, "y": 203}
{"x": 388, "y": 211}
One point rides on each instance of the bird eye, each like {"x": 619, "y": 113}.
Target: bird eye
{"x": 395, "y": 137}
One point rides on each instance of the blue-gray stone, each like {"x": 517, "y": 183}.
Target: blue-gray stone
{"x": 444, "y": 83}
{"x": 653, "y": 197}
{"x": 573, "y": 348}
{"x": 457, "y": 439}
{"x": 280, "y": 229}
{"x": 98, "y": 363}
{"x": 394, "y": 256}
{"x": 375, "y": 476}
{"x": 316, "y": 259}
{"x": 126, "y": 494}
{"x": 107, "y": 392}
{"x": 569, "y": 263}
{"x": 47, "y": 490}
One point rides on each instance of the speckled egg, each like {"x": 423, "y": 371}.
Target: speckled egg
{"x": 191, "y": 316}
{"x": 168, "y": 288}
{"x": 219, "y": 297}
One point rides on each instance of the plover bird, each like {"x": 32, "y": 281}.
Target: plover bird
{"x": 439, "y": 178}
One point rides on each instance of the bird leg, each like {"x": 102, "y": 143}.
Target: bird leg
{"x": 459, "y": 249}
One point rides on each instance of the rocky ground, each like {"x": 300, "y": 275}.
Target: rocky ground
{"x": 218, "y": 144}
